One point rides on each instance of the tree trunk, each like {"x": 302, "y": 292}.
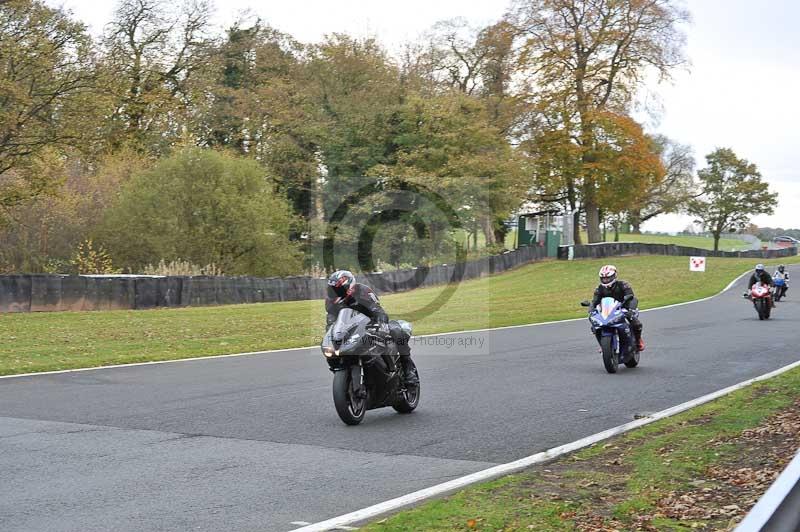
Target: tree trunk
{"x": 605, "y": 227}
{"x": 576, "y": 213}
{"x": 500, "y": 231}
{"x": 488, "y": 230}
{"x": 716, "y": 240}
{"x": 616, "y": 229}
{"x": 636, "y": 222}
{"x": 593, "y": 222}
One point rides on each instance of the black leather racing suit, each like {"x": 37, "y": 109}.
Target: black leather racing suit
{"x": 762, "y": 277}
{"x": 618, "y": 291}
{"x": 363, "y": 299}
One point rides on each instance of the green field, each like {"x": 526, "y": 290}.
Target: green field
{"x": 538, "y": 292}
{"x": 702, "y": 242}
{"x": 725, "y": 244}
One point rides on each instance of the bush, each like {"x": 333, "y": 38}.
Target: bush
{"x": 202, "y": 207}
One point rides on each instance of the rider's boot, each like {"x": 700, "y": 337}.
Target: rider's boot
{"x": 640, "y": 344}
{"x": 409, "y": 372}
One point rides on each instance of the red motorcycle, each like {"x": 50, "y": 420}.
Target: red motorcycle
{"x": 761, "y": 296}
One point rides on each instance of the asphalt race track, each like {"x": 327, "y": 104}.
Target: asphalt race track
{"x": 254, "y": 443}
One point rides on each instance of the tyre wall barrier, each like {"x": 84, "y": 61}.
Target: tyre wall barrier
{"x": 617, "y": 249}
{"x": 49, "y": 293}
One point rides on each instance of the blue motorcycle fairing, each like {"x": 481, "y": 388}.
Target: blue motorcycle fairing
{"x": 609, "y": 319}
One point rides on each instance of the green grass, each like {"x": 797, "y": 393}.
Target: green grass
{"x": 544, "y": 291}
{"x": 614, "y": 482}
{"x": 725, "y": 244}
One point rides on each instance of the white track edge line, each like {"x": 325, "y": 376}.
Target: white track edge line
{"x": 250, "y": 353}
{"x": 397, "y": 503}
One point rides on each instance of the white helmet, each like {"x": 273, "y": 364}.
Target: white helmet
{"x": 608, "y": 275}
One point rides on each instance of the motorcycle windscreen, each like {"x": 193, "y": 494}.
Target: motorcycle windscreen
{"x": 607, "y": 306}
{"x": 347, "y": 321}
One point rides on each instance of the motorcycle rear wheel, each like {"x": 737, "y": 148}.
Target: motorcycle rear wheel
{"x": 610, "y": 360}
{"x": 351, "y": 409}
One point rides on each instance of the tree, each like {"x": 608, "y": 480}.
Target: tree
{"x": 151, "y": 51}
{"x": 449, "y": 144}
{"x": 583, "y": 57}
{"x": 45, "y": 74}
{"x": 624, "y": 164}
{"x": 732, "y": 191}
{"x": 205, "y": 207}
{"x": 257, "y": 103}
{"x": 673, "y": 192}
{"x": 357, "y": 88}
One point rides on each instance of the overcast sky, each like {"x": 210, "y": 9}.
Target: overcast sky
{"x": 741, "y": 92}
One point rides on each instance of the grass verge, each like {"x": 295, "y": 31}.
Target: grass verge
{"x": 700, "y": 470}
{"x": 702, "y": 242}
{"x": 544, "y": 291}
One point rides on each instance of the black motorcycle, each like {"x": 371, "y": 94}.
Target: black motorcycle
{"x": 366, "y": 368}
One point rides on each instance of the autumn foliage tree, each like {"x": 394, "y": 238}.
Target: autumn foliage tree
{"x": 581, "y": 58}
{"x": 46, "y": 74}
{"x": 674, "y": 191}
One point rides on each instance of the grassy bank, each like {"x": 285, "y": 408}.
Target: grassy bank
{"x": 701, "y": 470}
{"x": 702, "y": 242}
{"x": 538, "y": 292}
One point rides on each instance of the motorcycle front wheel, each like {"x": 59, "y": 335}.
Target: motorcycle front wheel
{"x": 610, "y": 360}
{"x": 759, "y": 309}
{"x": 351, "y": 409}
{"x": 409, "y": 398}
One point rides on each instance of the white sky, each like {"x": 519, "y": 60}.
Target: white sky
{"x": 741, "y": 92}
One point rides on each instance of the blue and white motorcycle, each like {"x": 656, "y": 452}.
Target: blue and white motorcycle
{"x": 780, "y": 286}
{"x": 610, "y": 326}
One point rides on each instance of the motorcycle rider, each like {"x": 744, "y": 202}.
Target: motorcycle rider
{"x": 781, "y": 273}
{"x": 610, "y": 286}
{"x": 760, "y": 275}
{"x": 345, "y": 292}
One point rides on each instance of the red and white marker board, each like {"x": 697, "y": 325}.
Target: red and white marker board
{"x": 697, "y": 264}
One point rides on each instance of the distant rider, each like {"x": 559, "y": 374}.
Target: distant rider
{"x": 760, "y": 275}
{"x": 781, "y": 273}
{"x": 345, "y": 292}
{"x": 610, "y": 286}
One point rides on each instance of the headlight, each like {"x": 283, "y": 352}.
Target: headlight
{"x": 328, "y": 351}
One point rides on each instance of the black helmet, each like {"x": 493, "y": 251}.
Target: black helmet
{"x": 341, "y": 281}
{"x": 781, "y": 268}
{"x": 759, "y": 267}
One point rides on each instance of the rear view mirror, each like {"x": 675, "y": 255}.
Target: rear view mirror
{"x": 585, "y": 304}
